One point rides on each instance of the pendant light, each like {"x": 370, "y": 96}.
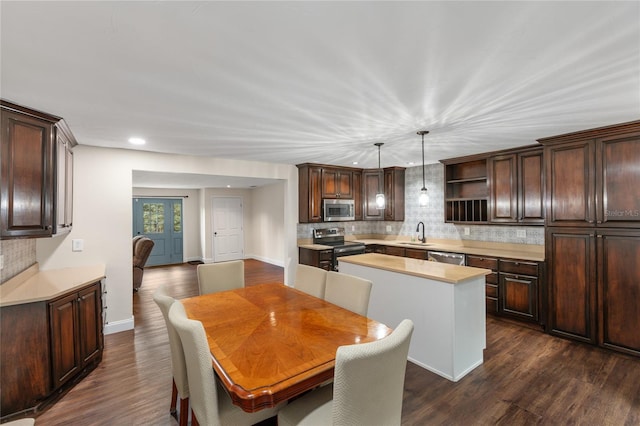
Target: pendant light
{"x": 380, "y": 200}
{"x": 423, "y": 200}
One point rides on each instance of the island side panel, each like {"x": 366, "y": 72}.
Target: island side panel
{"x": 470, "y": 326}
{"x": 440, "y": 325}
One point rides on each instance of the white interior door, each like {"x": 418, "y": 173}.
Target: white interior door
{"x": 228, "y": 237}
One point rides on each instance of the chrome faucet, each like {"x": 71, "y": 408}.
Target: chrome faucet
{"x": 423, "y": 239}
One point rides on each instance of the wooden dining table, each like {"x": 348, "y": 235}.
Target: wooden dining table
{"x": 270, "y": 342}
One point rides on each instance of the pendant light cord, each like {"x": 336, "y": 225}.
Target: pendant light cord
{"x": 423, "y": 184}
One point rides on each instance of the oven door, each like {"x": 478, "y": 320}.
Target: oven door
{"x": 347, "y": 250}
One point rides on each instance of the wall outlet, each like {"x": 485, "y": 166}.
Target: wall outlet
{"x": 77, "y": 245}
{"x": 353, "y": 228}
{"x": 388, "y": 228}
{"x": 1, "y": 262}
{"x": 521, "y": 233}
{"x": 467, "y": 231}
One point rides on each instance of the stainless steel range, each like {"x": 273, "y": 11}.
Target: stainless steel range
{"x": 334, "y": 237}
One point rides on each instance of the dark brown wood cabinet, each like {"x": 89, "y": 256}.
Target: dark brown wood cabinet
{"x": 516, "y": 185}
{"x": 309, "y": 193}
{"x": 570, "y": 170}
{"x": 371, "y": 184}
{"x": 318, "y": 258}
{"x": 391, "y": 181}
{"x": 570, "y": 254}
{"x": 394, "y": 251}
{"x": 466, "y": 192}
{"x": 518, "y": 294}
{"x": 53, "y": 343}
{"x": 319, "y": 181}
{"x": 36, "y": 173}
{"x": 414, "y": 253}
{"x": 357, "y": 195}
{"x": 593, "y": 237}
{"x": 27, "y": 175}
{"x": 394, "y": 193}
{"x": 618, "y": 254}
{"x": 337, "y": 183}
{"x": 618, "y": 180}
{"x": 76, "y": 332}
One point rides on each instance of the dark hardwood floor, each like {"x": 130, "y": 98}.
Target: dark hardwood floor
{"x": 527, "y": 377}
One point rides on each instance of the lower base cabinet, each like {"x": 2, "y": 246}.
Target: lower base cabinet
{"x": 318, "y": 258}
{"x": 48, "y": 345}
{"x": 594, "y": 286}
{"x": 512, "y": 289}
{"x": 519, "y": 295}
{"x": 618, "y": 271}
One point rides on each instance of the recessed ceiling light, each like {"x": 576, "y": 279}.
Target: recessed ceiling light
{"x": 411, "y": 163}
{"x": 137, "y": 141}
{"x": 354, "y": 163}
{"x": 228, "y": 186}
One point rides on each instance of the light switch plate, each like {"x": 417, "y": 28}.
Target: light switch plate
{"x": 521, "y": 233}
{"x": 1, "y": 261}
{"x": 467, "y": 231}
{"x": 77, "y": 245}
{"x": 388, "y": 228}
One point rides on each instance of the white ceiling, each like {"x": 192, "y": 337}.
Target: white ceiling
{"x": 293, "y": 82}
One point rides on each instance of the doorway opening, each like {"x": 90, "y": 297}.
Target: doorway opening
{"x": 160, "y": 219}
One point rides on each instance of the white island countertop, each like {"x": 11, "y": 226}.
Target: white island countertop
{"x": 420, "y": 268}
{"x": 33, "y": 285}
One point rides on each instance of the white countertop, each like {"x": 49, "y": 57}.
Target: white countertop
{"x": 420, "y": 268}
{"x": 34, "y": 285}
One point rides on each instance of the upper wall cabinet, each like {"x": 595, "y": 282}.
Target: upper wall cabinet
{"x": 37, "y": 171}
{"x": 516, "y": 187}
{"x": 309, "y": 193}
{"x": 337, "y": 183}
{"x": 391, "y": 182}
{"x": 317, "y": 182}
{"x": 466, "y": 193}
{"x": 593, "y": 178}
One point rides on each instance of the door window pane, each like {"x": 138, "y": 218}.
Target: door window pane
{"x": 177, "y": 217}
{"x": 153, "y": 218}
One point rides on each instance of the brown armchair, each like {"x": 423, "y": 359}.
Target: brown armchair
{"x": 142, "y": 247}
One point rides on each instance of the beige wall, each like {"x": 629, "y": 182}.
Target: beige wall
{"x": 103, "y": 218}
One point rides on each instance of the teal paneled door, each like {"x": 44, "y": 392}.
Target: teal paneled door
{"x": 161, "y": 220}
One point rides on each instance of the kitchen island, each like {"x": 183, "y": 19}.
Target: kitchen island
{"x": 445, "y": 302}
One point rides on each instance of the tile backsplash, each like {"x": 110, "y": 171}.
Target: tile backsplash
{"x": 432, "y": 216}
{"x": 18, "y": 255}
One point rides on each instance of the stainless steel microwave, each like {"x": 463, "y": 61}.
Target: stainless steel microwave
{"x": 338, "y": 210}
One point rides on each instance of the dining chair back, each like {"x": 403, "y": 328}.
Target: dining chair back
{"x": 221, "y": 276}
{"x": 25, "y": 421}
{"x": 178, "y": 366}
{"x": 368, "y": 386}
{"x": 348, "y": 291}
{"x": 311, "y": 280}
{"x": 210, "y": 405}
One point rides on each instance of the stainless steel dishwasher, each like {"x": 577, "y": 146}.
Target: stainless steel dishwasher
{"x": 446, "y": 257}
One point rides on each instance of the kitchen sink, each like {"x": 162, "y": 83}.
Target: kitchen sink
{"x": 411, "y": 243}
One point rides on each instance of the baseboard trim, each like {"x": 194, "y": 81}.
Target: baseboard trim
{"x": 118, "y": 326}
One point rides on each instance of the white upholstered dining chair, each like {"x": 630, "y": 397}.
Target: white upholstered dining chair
{"x": 311, "y": 280}
{"x": 368, "y": 386}
{"x": 215, "y": 277}
{"x": 26, "y": 421}
{"x": 348, "y": 291}
{"x": 178, "y": 366}
{"x": 210, "y": 404}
